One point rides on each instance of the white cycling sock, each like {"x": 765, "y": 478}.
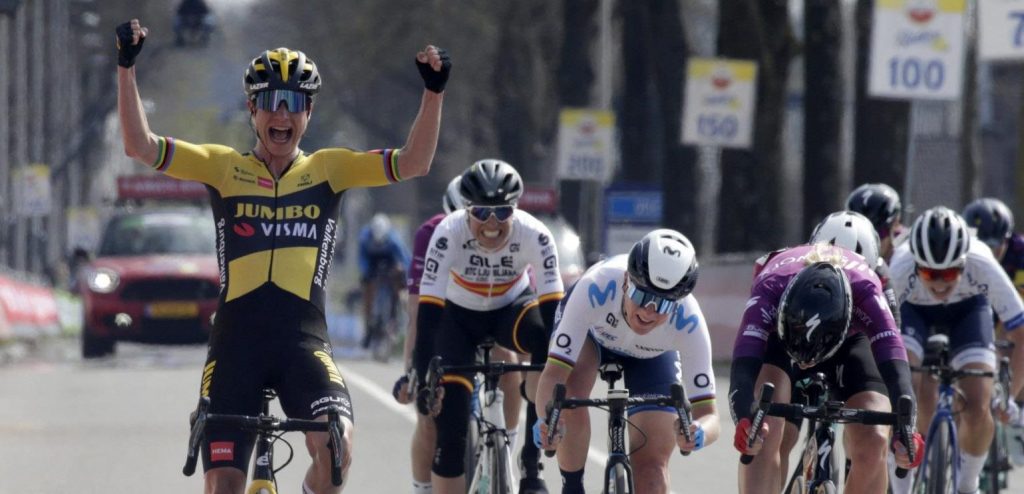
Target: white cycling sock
{"x": 970, "y": 469}
{"x": 306, "y": 489}
{"x": 422, "y": 487}
{"x": 513, "y": 438}
{"x": 900, "y": 486}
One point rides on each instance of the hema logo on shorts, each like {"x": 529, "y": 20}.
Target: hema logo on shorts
{"x": 222, "y": 451}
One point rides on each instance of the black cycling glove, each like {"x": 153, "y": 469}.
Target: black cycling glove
{"x": 434, "y": 80}
{"x": 126, "y": 51}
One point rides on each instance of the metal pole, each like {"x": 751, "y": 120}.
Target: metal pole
{"x": 6, "y": 157}
{"x": 592, "y": 191}
{"x": 19, "y": 130}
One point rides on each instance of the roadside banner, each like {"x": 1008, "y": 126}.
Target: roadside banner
{"x": 1001, "y": 30}
{"x": 538, "y": 199}
{"x": 32, "y": 190}
{"x": 917, "y": 49}
{"x": 157, "y": 186}
{"x": 631, "y": 211}
{"x": 587, "y": 149}
{"x": 720, "y": 102}
{"x": 27, "y": 310}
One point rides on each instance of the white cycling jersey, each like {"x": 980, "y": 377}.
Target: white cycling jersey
{"x": 459, "y": 270}
{"x": 982, "y": 276}
{"x": 594, "y": 307}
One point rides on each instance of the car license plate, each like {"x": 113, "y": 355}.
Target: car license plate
{"x": 172, "y": 310}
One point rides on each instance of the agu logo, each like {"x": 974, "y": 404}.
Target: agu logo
{"x": 222, "y": 451}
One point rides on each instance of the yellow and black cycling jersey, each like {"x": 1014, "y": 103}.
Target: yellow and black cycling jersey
{"x": 275, "y": 231}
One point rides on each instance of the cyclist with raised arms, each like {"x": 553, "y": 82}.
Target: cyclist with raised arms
{"x": 275, "y": 208}
{"x": 880, "y": 204}
{"x": 475, "y": 285}
{"x": 819, "y": 308}
{"x": 425, "y": 434}
{"x": 944, "y": 279}
{"x": 638, "y": 310}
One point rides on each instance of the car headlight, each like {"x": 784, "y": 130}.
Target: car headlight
{"x": 103, "y": 280}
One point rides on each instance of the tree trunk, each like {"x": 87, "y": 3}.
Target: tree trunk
{"x": 640, "y": 163}
{"x": 679, "y": 169}
{"x": 823, "y": 109}
{"x": 749, "y": 205}
{"x": 882, "y": 126}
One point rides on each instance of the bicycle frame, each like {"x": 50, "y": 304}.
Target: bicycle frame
{"x": 943, "y": 418}
{"x": 817, "y": 462}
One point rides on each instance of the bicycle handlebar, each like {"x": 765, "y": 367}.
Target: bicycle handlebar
{"x": 202, "y": 418}
{"x": 559, "y": 402}
{"x": 765, "y": 401}
{"x": 904, "y": 429}
{"x": 683, "y": 409}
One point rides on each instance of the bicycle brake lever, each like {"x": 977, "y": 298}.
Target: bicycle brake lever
{"x": 197, "y": 423}
{"x": 682, "y": 406}
{"x": 904, "y": 411}
{"x": 554, "y": 412}
{"x": 765, "y": 401}
{"x": 336, "y": 431}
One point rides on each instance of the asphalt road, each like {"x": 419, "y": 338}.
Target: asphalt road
{"x": 120, "y": 425}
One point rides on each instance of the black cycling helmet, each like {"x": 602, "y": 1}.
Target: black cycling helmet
{"x": 281, "y": 69}
{"x": 814, "y": 314}
{"x": 992, "y": 220}
{"x": 939, "y": 239}
{"x": 878, "y": 202}
{"x": 491, "y": 182}
{"x": 664, "y": 263}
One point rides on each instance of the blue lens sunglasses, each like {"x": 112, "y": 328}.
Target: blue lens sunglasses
{"x": 643, "y": 298}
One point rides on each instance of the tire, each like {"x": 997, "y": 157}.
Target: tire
{"x": 94, "y": 346}
{"x": 939, "y": 477}
{"x": 501, "y": 477}
{"x": 991, "y": 473}
{"x": 618, "y": 482}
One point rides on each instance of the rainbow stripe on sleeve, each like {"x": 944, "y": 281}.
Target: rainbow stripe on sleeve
{"x": 390, "y": 164}
{"x": 165, "y": 147}
{"x": 560, "y": 361}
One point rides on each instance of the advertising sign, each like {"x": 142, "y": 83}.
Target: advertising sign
{"x": 720, "y": 102}
{"x": 32, "y": 190}
{"x": 156, "y": 186}
{"x": 1001, "y": 30}
{"x": 630, "y": 212}
{"x": 586, "y": 144}
{"x": 917, "y": 49}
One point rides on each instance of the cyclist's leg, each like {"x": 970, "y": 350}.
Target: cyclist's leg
{"x": 790, "y": 436}
{"x": 653, "y": 447}
{"x": 233, "y": 379}
{"x": 572, "y": 451}
{"x": 763, "y": 474}
{"x": 308, "y": 383}
{"x": 522, "y": 329}
{"x": 456, "y": 344}
{"x": 971, "y": 347}
{"x": 857, "y": 381}
{"x": 369, "y": 288}
{"x": 509, "y": 385}
{"x": 917, "y": 323}
{"x": 423, "y": 440}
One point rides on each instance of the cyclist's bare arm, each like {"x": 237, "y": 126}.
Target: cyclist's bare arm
{"x": 415, "y": 157}
{"x": 1017, "y": 361}
{"x": 706, "y": 413}
{"x": 139, "y": 142}
{"x": 413, "y": 306}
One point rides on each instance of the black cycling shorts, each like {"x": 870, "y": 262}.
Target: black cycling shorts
{"x": 253, "y": 348}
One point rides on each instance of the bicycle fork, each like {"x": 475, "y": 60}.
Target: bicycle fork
{"x": 489, "y": 475}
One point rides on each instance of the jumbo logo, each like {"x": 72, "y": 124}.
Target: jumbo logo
{"x": 249, "y": 210}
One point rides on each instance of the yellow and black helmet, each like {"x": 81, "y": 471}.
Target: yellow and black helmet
{"x": 281, "y": 68}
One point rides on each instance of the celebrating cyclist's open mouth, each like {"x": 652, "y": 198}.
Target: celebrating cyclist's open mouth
{"x": 280, "y": 135}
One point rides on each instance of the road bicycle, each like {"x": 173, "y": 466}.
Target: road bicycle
{"x": 618, "y": 473}
{"x": 940, "y": 471}
{"x": 997, "y": 465}
{"x": 269, "y": 430}
{"x": 817, "y": 472}
{"x": 382, "y": 328}
{"x": 491, "y": 459}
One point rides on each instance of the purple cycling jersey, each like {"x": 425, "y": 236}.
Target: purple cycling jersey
{"x": 1013, "y": 261}
{"x": 419, "y": 252}
{"x": 871, "y": 314}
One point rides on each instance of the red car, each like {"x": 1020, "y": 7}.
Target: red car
{"x": 154, "y": 279}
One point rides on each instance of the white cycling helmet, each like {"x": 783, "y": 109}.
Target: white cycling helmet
{"x": 664, "y": 263}
{"x": 452, "y": 200}
{"x": 380, "y": 225}
{"x": 940, "y": 239}
{"x": 849, "y": 230}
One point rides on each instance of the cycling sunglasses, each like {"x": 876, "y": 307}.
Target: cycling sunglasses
{"x": 297, "y": 102}
{"x": 642, "y": 299}
{"x": 483, "y": 213}
{"x": 948, "y": 274}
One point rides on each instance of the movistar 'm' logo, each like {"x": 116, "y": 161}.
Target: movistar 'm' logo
{"x": 599, "y": 297}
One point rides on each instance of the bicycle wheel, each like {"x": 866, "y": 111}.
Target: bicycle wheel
{"x": 501, "y": 473}
{"x": 938, "y": 476}
{"x": 618, "y": 481}
{"x": 992, "y": 474}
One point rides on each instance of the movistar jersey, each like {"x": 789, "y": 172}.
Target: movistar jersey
{"x": 982, "y": 275}
{"x": 594, "y": 308}
{"x": 276, "y": 232}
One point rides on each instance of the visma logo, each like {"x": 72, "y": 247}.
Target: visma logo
{"x": 598, "y": 296}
